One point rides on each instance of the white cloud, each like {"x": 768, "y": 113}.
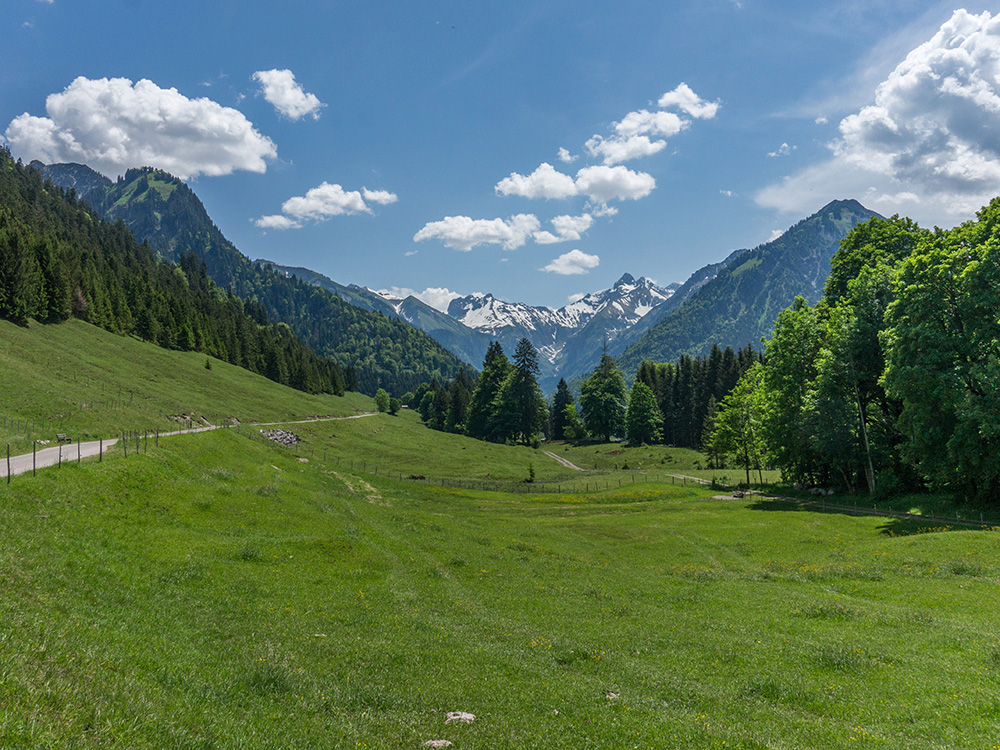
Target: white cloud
{"x": 783, "y": 150}
{"x": 568, "y": 229}
{"x": 929, "y": 146}
{"x": 320, "y": 203}
{"x": 436, "y": 297}
{"x": 687, "y": 101}
{"x": 654, "y": 123}
{"x": 775, "y": 234}
{"x": 566, "y": 157}
{"x": 821, "y": 120}
{"x": 634, "y": 134}
{"x": 572, "y": 263}
{"x": 112, "y": 125}
{"x": 575, "y": 297}
{"x": 382, "y": 197}
{"x": 288, "y": 97}
{"x": 602, "y": 183}
{"x": 464, "y": 233}
{"x": 617, "y": 149}
{"x": 276, "y": 221}
{"x": 599, "y": 183}
{"x": 545, "y": 182}
{"x": 728, "y": 193}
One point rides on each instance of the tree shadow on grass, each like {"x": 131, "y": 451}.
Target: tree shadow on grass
{"x": 897, "y": 523}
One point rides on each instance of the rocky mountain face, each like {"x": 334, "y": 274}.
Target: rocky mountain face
{"x": 575, "y": 333}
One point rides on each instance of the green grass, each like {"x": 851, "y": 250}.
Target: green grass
{"x": 79, "y": 380}
{"x": 655, "y": 460}
{"x": 219, "y": 592}
{"x": 225, "y": 592}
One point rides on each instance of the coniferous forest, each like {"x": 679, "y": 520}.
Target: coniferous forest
{"x": 58, "y": 260}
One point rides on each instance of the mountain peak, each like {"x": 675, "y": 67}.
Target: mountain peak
{"x": 626, "y": 278}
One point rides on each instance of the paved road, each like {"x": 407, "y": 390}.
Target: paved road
{"x": 69, "y": 452}
{"x": 52, "y": 456}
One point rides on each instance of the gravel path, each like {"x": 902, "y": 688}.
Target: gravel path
{"x": 563, "y": 461}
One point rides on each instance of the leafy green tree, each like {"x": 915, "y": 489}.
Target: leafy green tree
{"x": 381, "y": 400}
{"x": 643, "y": 420}
{"x": 395, "y": 405}
{"x": 791, "y": 368}
{"x": 602, "y": 399}
{"x": 738, "y": 431}
{"x": 944, "y": 360}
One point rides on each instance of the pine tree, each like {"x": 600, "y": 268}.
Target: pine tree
{"x": 562, "y": 399}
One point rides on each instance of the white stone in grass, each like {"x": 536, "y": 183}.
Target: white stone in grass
{"x": 437, "y": 743}
{"x": 462, "y": 716}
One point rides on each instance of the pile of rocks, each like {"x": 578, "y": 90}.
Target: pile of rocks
{"x": 282, "y": 436}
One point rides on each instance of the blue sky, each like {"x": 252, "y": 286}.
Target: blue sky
{"x": 535, "y": 150}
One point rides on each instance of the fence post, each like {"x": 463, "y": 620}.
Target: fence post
{"x": 33, "y": 446}
{"x": 100, "y": 450}
{"x": 125, "y": 444}
{"x": 78, "y": 450}
{"x": 8, "y": 463}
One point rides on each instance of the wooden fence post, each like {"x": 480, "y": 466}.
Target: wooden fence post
{"x": 100, "y": 450}
{"x": 8, "y": 463}
{"x": 33, "y": 458}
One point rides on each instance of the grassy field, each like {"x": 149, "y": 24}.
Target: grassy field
{"x": 80, "y": 380}
{"x": 221, "y": 591}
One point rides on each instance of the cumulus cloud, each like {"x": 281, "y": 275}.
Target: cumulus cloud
{"x": 617, "y": 149}
{"x": 568, "y": 229}
{"x": 575, "y": 297}
{"x": 320, "y": 203}
{"x": 572, "y": 263}
{"x": 113, "y": 124}
{"x": 687, "y": 101}
{"x": 545, "y": 182}
{"x": 602, "y": 183}
{"x": 929, "y": 146}
{"x": 464, "y": 233}
{"x": 598, "y": 183}
{"x": 436, "y": 297}
{"x": 566, "y": 157}
{"x": 635, "y": 133}
{"x": 783, "y": 150}
{"x": 286, "y": 95}
{"x": 277, "y": 221}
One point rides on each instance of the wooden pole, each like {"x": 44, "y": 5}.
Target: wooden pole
{"x": 8, "y": 463}
{"x": 100, "y": 450}
{"x": 33, "y": 458}
{"x": 78, "y": 450}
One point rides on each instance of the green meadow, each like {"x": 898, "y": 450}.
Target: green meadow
{"x": 221, "y": 591}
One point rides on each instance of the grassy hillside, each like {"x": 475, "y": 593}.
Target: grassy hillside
{"x": 220, "y": 593}
{"x": 86, "y": 382}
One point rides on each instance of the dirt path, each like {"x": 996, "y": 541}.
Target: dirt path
{"x": 316, "y": 419}
{"x": 563, "y": 461}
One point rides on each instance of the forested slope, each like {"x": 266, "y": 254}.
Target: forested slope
{"x": 740, "y": 305}
{"x": 165, "y": 212}
{"x": 58, "y": 260}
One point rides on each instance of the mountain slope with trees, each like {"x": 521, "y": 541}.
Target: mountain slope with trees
{"x": 58, "y": 260}
{"x": 741, "y": 303}
{"x": 373, "y": 350}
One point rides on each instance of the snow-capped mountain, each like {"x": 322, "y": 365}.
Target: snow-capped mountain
{"x": 556, "y": 333}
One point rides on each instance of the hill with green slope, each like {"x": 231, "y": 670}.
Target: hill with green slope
{"x": 81, "y": 380}
{"x": 60, "y": 260}
{"x": 166, "y": 213}
{"x": 740, "y": 304}
{"x": 467, "y": 343}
